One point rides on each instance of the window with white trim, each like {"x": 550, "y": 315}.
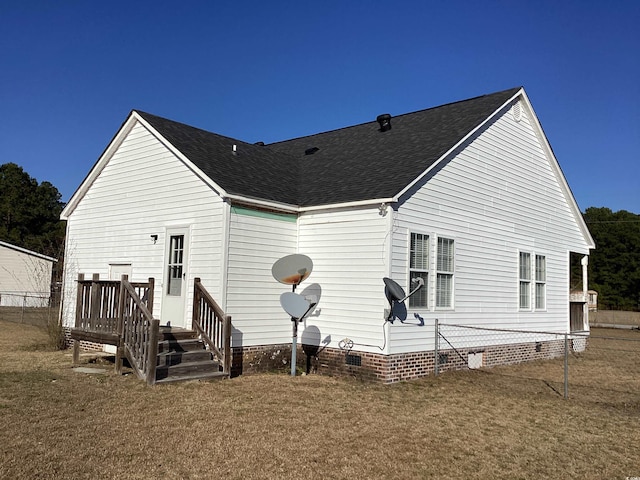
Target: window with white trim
{"x": 525, "y": 280}
{"x": 419, "y": 267}
{"x": 444, "y": 273}
{"x": 541, "y": 282}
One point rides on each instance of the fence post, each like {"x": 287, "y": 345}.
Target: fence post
{"x": 436, "y": 359}
{"x": 566, "y": 365}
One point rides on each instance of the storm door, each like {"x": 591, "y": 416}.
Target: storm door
{"x": 174, "y": 288}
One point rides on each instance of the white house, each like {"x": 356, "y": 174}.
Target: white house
{"x": 469, "y": 196}
{"x": 25, "y": 277}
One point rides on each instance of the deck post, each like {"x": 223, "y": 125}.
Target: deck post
{"x": 95, "y": 304}
{"x": 152, "y": 283}
{"x": 152, "y": 358}
{"x": 226, "y": 332}
{"x": 196, "y": 303}
{"x": 76, "y": 352}
{"x": 79, "y": 301}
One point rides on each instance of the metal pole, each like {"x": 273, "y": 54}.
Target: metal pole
{"x": 294, "y": 340}
{"x": 566, "y": 366}
{"x": 435, "y": 349}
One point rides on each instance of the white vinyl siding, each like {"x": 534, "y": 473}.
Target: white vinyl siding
{"x": 253, "y": 295}
{"x": 445, "y": 268}
{"x": 25, "y": 278}
{"x": 525, "y": 281}
{"x": 484, "y": 198}
{"x": 419, "y": 268}
{"x": 349, "y": 249}
{"x": 142, "y": 190}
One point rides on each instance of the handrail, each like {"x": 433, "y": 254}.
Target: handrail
{"x": 212, "y": 324}
{"x": 140, "y": 334}
{"x": 120, "y": 313}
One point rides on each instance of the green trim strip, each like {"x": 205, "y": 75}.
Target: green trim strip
{"x": 283, "y": 217}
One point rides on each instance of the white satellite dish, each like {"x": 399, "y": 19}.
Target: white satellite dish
{"x": 292, "y": 269}
{"x": 295, "y": 305}
{"x": 312, "y": 294}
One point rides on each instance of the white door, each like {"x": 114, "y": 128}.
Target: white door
{"x": 174, "y": 288}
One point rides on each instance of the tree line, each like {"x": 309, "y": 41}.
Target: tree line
{"x": 30, "y": 212}
{"x": 614, "y": 266}
{"x": 30, "y": 218}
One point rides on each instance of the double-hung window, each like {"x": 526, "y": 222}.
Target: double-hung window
{"x": 444, "y": 275}
{"x": 525, "y": 280}
{"x": 419, "y": 268}
{"x": 541, "y": 282}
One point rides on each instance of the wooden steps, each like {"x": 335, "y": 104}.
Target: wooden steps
{"x": 182, "y": 356}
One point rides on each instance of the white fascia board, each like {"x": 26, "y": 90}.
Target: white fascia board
{"x": 28, "y": 252}
{"x": 249, "y": 201}
{"x": 134, "y": 118}
{"x": 452, "y": 149}
{"x": 359, "y": 203}
{"x": 555, "y": 166}
{"x": 203, "y": 176}
{"x": 285, "y": 207}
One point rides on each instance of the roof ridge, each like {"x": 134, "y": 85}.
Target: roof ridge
{"x": 514, "y": 89}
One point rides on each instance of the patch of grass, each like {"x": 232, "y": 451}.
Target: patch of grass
{"x": 498, "y": 423}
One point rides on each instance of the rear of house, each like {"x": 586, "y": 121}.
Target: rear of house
{"x": 467, "y": 196}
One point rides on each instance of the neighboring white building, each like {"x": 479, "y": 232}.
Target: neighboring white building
{"x": 469, "y": 196}
{"x": 25, "y": 277}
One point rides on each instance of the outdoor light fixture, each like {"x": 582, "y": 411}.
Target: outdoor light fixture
{"x": 154, "y": 238}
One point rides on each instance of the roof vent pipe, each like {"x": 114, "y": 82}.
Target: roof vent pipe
{"x": 385, "y": 122}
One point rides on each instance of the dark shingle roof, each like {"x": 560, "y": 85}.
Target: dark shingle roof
{"x": 255, "y": 171}
{"x": 351, "y": 164}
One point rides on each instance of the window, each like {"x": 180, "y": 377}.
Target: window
{"x": 419, "y": 267}
{"x": 525, "y": 280}
{"x": 541, "y": 279}
{"x": 444, "y": 276}
{"x": 175, "y": 277}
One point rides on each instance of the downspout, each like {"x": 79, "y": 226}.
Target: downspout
{"x": 224, "y": 257}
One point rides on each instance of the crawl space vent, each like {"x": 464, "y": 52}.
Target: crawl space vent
{"x": 355, "y": 360}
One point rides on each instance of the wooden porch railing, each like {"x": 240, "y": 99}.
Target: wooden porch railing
{"x": 212, "y": 324}
{"x": 139, "y": 333}
{"x": 117, "y": 312}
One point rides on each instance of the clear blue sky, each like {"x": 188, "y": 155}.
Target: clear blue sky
{"x": 70, "y": 72}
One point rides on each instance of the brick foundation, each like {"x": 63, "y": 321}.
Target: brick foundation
{"x": 388, "y": 368}
{"x": 84, "y": 345}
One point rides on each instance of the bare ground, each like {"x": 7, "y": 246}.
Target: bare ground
{"x": 507, "y": 422}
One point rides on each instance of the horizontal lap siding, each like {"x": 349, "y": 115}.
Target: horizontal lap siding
{"x": 349, "y": 252}
{"x": 143, "y": 189}
{"x": 253, "y": 295}
{"x": 497, "y": 196}
{"x": 23, "y": 274}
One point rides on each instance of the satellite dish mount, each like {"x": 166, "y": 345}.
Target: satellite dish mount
{"x": 293, "y": 270}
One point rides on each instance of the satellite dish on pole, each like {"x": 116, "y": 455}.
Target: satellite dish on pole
{"x": 292, "y": 269}
{"x": 295, "y": 305}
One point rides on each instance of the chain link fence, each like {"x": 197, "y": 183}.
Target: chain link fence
{"x": 601, "y": 365}
{"x": 40, "y": 309}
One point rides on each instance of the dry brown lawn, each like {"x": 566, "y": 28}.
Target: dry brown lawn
{"x": 507, "y": 422}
